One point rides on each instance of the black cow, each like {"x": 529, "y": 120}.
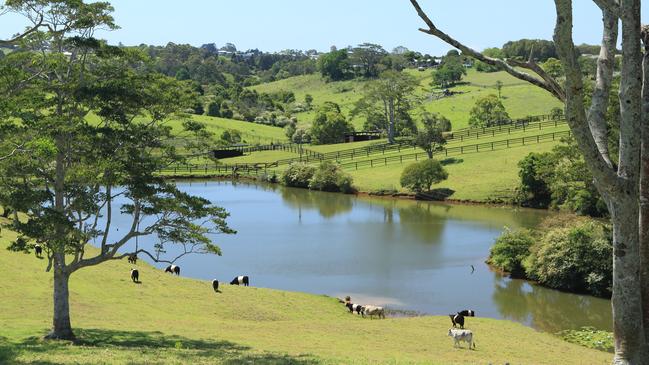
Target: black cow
{"x": 239, "y": 280}
{"x": 174, "y": 269}
{"x": 135, "y": 275}
{"x": 354, "y": 307}
{"x": 132, "y": 259}
{"x": 457, "y": 319}
{"x": 38, "y": 249}
{"x": 215, "y": 285}
{"x": 467, "y": 313}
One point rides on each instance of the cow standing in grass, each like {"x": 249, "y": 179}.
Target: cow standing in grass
{"x": 135, "y": 275}
{"x": 240, "y": 280}
{"x": 173, "y": 269}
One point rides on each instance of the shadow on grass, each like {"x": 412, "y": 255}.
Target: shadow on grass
{"x": 92, "y": 343}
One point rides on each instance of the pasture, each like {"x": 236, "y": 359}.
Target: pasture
{"x": 175, "y": 320}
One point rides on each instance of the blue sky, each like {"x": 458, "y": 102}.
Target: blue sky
{"x": 273, "y": 25}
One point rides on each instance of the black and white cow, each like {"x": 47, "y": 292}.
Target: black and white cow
{"x": 132, "y": 259}
{"x": 354, "y": 307}
{"x": 38, "y": 249}
{"x": 240, "y": 280}
{"x": 174, "y": 269}
{"x": 467, "y": 313}
{"x": 135, "y": 275}
{"x": 457, "y": 320}
{"x": 215, "y": 285}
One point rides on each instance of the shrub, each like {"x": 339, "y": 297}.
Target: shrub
{"x": 329, "y": 177}
{"x": 509, "y": 251}
{"x": 420, "y": 176}
{"x": 298, "y": 175}
{"x": 575, "y": 258}
{"x": 329, "y": 125}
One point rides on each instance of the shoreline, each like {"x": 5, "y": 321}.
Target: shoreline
{"x": 360, "y": 194}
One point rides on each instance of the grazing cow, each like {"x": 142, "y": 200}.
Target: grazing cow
{"x": 461, "y": 335}
{"x": 240, "y": 280}
{"x": 135, "y": 275}
{"x": 457, "y": 319}
{"x": 372, "y": 311}
{"x": 174, "y": 269}
{"x": 354, "y": 307}
{"x": 467, "y": 313}
{"x": 132, "y": 258}
{"x": 215, "y": 285}
{"x": 38, "y": 249}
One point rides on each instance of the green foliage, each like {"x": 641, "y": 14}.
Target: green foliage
{"x": 553, "y": 67}
{"x": 430, "y": 138}
{"x": 231, "y": 136}
{"x": 329, "y": 177}
{"x": 590, "y": 337}
{"x": 387, "y": 102}
{"x": 334, "y": 65}
{"x": 297, "y": 175}
{"x": 420, "y": 176}
{"x": 214, "y": 109}
{"x": 450, "y": 72}
{"x": 329, "y": 125}
{"x": 559, "y": 179}
{"x": 533, "y": 190}
{"x": 509, "y": 251}
{"x": 538, "y": 49}
{"x": 368, "y": 56}
{"x": 576, "y": 258}
{"x": 488, "y": 111}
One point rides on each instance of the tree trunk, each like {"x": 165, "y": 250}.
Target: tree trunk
{"x": 627, "y": 298}
{"x": 391, "y": 122}
{"x": 61, "y": 327}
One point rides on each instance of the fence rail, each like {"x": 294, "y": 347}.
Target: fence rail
{"x": 477, "y": 133}
{"x": 460, "y": 150}
{"x": 261, "y": 168}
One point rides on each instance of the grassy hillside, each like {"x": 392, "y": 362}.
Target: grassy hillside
{"x": 171, "y": 320}
{"x": 250, "y": 132}
{"x": 476, "y": 177}
{"x": 519, "y": 98}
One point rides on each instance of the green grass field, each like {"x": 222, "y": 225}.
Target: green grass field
{"x": 251, "y": 133}
{"x": 176, "y": 320}
{"x": 520, "y": 99}
{"x": 480, "y": 177}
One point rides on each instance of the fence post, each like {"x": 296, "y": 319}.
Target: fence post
{"x": 553, "y": 136}
{"x": 371, "y": 163}
{"x": 477, "y": 147}
{"x": 401, "y": 158}
{"x": 507, "y": 143}
{"x": 416, "y": 159}
{"x": 356, "y": 165}
{"x": 386, "y": 161}
{"x": 492, "y": 146}
{"x": 537, "y": 139}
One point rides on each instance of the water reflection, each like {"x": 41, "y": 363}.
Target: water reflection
{"x": 549, "y": 310}
{"x": 327, "y": 204}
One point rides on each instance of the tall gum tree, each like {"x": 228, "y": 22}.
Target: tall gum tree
{"x": 89, "y": 123}
{"x": 623, "y": 184}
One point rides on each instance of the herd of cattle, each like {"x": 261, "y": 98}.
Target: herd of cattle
{"x": 458, "y": 334}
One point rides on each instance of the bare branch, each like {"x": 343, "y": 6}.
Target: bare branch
{"x": 546, "y": 83}
{"x": 605, "y": 63}
{"x": 575, "y": 111}
{"x": 24, "y": 34}
{"x": 609, "y": 6}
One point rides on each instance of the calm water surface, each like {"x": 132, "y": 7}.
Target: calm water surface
{"x": 400, "y": 254}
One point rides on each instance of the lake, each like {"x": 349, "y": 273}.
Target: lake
{"x": 404, "y": 255}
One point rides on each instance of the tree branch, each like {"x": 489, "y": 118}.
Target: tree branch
{"x": 609, "y": 6}
{"x": 575, "y": 111}
{"x": 599, "y": 104}
{"x": 546, "y": 83}
{"x": 29, "y": 31}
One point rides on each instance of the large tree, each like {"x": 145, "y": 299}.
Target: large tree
{"x": 390, "y": 97}
{"x": 89, "y": 124}
{"x": 624, "y": 185}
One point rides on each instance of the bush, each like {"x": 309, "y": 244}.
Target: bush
{"x": 575, "y": 258}
{"x": 510, "y": 250}
{"x": 329, "y": 177}
{"x": 420, "y": 176}
{"x": 298, "y": 175}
